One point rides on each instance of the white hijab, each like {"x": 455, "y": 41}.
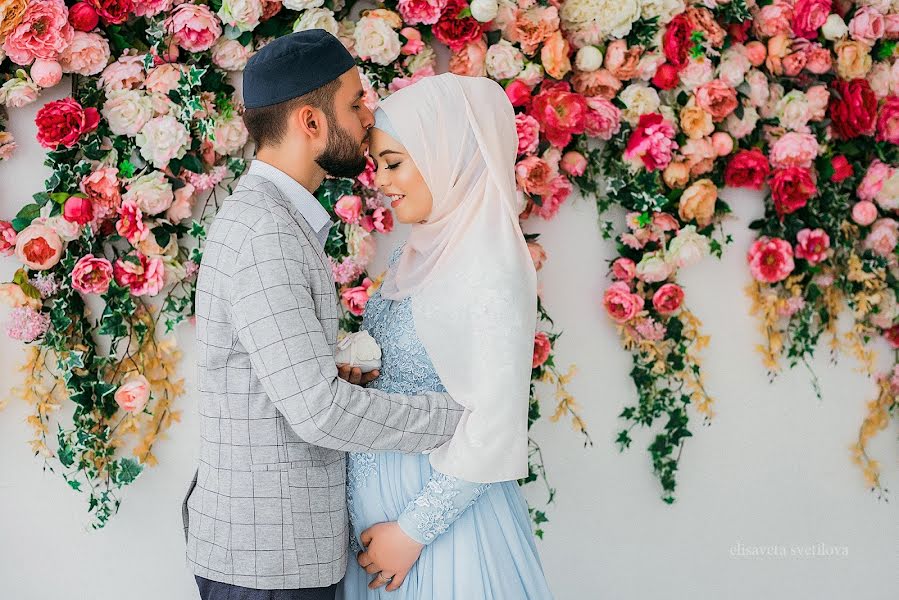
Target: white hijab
{"x": 468, "y": 268}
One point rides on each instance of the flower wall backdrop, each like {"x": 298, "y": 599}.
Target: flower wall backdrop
{"x": 653, "y": 106}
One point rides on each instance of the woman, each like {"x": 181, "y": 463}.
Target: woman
{"x": 456, "y": 312}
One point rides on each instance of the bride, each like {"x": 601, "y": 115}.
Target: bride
{"x": 456, "y": 312}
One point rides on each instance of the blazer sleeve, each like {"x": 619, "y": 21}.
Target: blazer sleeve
{"x": 275, "y": 321}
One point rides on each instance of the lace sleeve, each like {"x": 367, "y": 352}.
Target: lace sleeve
{"x": 443, "y": 500}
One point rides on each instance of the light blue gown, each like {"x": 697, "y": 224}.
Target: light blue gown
{"x": 478, "y": 539}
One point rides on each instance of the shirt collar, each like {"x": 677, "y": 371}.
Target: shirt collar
{"x": 314, "y": 213}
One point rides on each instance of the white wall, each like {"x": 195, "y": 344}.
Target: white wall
{"x": 772, "y": 470}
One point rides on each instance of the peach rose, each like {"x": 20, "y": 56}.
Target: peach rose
{"x": 471, "y": 61}
{"x": 718, "y": 98}
{"x": 676, "y": 174}
{"x": 695, "y": 121}
{"x": 698, "y": 202}
{"x": 853, "y": 59}
{"x": 133, "y": 395}
{"x": 12, "y": 294}
{"x": 621, "y": 61}
{"x": 38, "y": 246}
{"x": 554, "y": 56}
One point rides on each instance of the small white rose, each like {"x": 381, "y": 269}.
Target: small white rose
{"x": 484, "y": 10}
{"x": 359, "y": 349}
{"x": 834, "y": 28}
{"x": 589, "y": 58}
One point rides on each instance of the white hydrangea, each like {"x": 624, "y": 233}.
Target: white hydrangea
{"x": 127, "y": 111}
{"x": 639, "y": 99}
{"x": 317, "y": 18}
{"x": 611, "y": 17}
{"x": 162, "y": 139}
{"x": 375, "y": 40}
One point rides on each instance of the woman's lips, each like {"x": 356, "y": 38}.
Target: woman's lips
{"x": 397, "y": 198}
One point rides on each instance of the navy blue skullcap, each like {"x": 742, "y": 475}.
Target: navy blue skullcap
{"x": 293, "y": 65}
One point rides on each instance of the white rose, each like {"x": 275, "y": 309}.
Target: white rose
{"x": 425, "y": 58}
{"x": 317, "y": 18}
{"x": 653, "y": 267}
{"x": 793, "y": 110}
{"x": 649, "y": 64}
{"x": 740, "y": 128}
{"x": 888, "y": 196}
{"x": 162, "y": 139}
{"x": 887, "y": 310}
{"x": 639, "y": 99}
{"x": 697, "y": 72}
{"x": 687, "y": 248}
{"x": 230, "y": 135}
{"x": 504, "y": 61}
{"x": 484, "y": 10}
{"x": 16, "y": 92}
{"x": 613, "y": 17}
{"x": 302, "y": 4}
{"x": 230, "y": 55}
{"x": 67, "y": 231}
{"x": 127, "y": 111}
{"x": 756, "y": 87}
{"x": 531, "y": 74}
{"x": 665, "y": 10}
{"x": 242, "y": 15}
{"x": 152, "y": 192}
{"x": 834, "y": 28}
{"x": 359, "y": 349}
{"x": 734, "y": 66}
{"x": 376, "y": 41}
{"x": 588, "y": 58}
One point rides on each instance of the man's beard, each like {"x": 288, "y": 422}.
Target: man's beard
{"x": 342, "y": 157}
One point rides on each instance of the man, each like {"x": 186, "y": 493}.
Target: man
{"x": 267, "y": 509}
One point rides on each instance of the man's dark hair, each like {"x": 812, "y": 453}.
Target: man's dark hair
{"x": 268, "y": 124}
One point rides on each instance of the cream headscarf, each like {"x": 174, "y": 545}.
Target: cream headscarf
{"x": 468, "y": 268}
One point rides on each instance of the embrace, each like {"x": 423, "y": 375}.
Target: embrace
{"x": 322, "y": 479}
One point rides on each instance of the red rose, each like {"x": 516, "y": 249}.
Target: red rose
{"x": 666, "y": 77}
{"x": 841, "y": 168}
{"x": 739, "y": 32}
{"x": 83, "y": 16}
{"x": 668, "y": 298}
{"x": 676, "y": 42}
{"x": 791, "y": 188}
{"x": 748, "y": 168}
{"x": 560, "y": 112}
{"x": 809, "y": 16}
{"x": 63, "y": 122}
{"x": 892, "y": 336}
{"x": 518, "y": 92}
{"x": 78, "y": 210}
{"x": 114, "y": 12}
{"x": 542, "y": 348}
{"x": 456, "y": 32}
{"x": 853, "y": 108}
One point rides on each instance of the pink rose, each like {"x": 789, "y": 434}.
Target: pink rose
{"x": 133, "y": 395}
{"x": 38, "y": 246}
{"x": 809, "y": 16}
{"x": 528, "y": 133}
{"x": 86, "y": 55}
{"x": 864, "y": 212}
{"x": 91, "y": 275}
{"x": 83, "y": 16}
{"x": 812, "y": 245}
{"x": 722, "y": 143}
{"x": 621, "y": 304}
{"x": 102, "y": 187}
{"x": 425, "y": 12}
{"x": 888, "y": 121}
{"x": 471, "y": 60}
{"x": 873, "y": 180}
{"x": 193, "y": 27}
{"x": 574, "y": 163}
{"x": 126, "y": 73}
{"x": 883, "y": 237}
{"x": 867, "y": 25}
{"x": 380, "y": 220}
{"x": 559, "y": 190}
{"x": 183, "y": 205}
{"x": 349, "y": 208}
{"x": 43, "y": 32}
{"x": 542, "y": 349}
{"x": 143, "y": 276}
{"x": 46, "y": 73}
{"x": 413, "y": 44}
{"x": 7, "y": 238}
{"x": 842, "y": 168}
{"x": 78, "y": 210}
{"x": 652, "y": 142}
{"x": 770, "y": 259}
{"x": 717, "y": 98}
{"x": 354, "y": 299}
{"x": 131, "y": 223}
{"x": 624, "y": 269}
{"x": 794, "y": 149}
{"x": 534, "y": 175}
{"x": 560, "y": 112}
{"x": 518, "y": 92}
{"x": 668, "y": 298}
{"x": 603, "y": 118}
{"x": 151, "y": 8}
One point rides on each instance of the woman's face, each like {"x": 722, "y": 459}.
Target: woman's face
{"x": 398, "y": 177}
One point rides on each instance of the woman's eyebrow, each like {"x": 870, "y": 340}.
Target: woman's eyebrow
{"x": 388, "y": 152}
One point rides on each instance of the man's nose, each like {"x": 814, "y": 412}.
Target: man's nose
{"x": 368, "y": 118}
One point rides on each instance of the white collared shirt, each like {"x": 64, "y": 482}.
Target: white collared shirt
{"x": 314, "y": 213}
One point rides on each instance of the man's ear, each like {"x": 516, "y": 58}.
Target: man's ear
{"x": 310, "y": 121}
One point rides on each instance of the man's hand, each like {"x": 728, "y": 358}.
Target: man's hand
{"x": 355, "y": 375}
{"x": 390, "y": 552}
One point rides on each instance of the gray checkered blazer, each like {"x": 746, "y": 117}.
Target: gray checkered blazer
{"x": 267, "y": 506}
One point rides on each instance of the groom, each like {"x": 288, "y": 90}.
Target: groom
{"x": 265, "y": 515}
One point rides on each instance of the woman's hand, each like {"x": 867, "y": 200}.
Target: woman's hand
{"x": 355, "y": 375}
{"x": 388, "y": 552}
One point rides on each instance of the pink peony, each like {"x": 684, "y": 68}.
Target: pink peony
{"x": 770, "y": 259}
{"x": 126, "y": 73}
{"x": 528, "y": 133}
{"x": 560, "y": 112}
{"x": 46, "y": 73}
{"x": 78, "y": 210}
{"x": 131, "y": 223}
{"x": 7, "y": 238}
{"x": 193, "y": 27}
{"x": 380, "y": 220}
{"x": 624, "y": 269}
{"x": 652, "y": 142}
{"x": 102, "y": 187}
{"x": 354, "y": 299}
{"x": 888, "y": 121}
{"x": 883, "y": 237}
{"x": 842, "y": 168}
{"x": 133, "y": 394}
{"x": 44, "y": 32}
{"x": 812, "y": 245}
{"x": 470, "y": 61}
{"x": 872, "y": 182}
{"x": 864, "y": 212}
{"x": 668, "y": 298}
{"x": 183, "y": 205}
{"x": 791, "y": 189}
{"x": 603, "y": 118}
{"x": 794, "y": 149}
{"x": 574, "y": 163}
{"x": 621, "y": 304}
{"x": 38, "y": 246}
{"x": 91, "y": 275}
{"x": 809, "y": 16}
{"x": 717, "y": 98}
{"x": 86, "y": 55}
{"x": 542, "y": 349}
{"x": 64, "y": 122}
{"x": 424, "y": 12}
{"x": 519, "y": 92}
{"x": 150, "y": 8}
{"x": 349, "y": 208}
{"x": 143, "y": 276}
{"x": 559, "y": 190}
{"x": 867, "y": 25}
